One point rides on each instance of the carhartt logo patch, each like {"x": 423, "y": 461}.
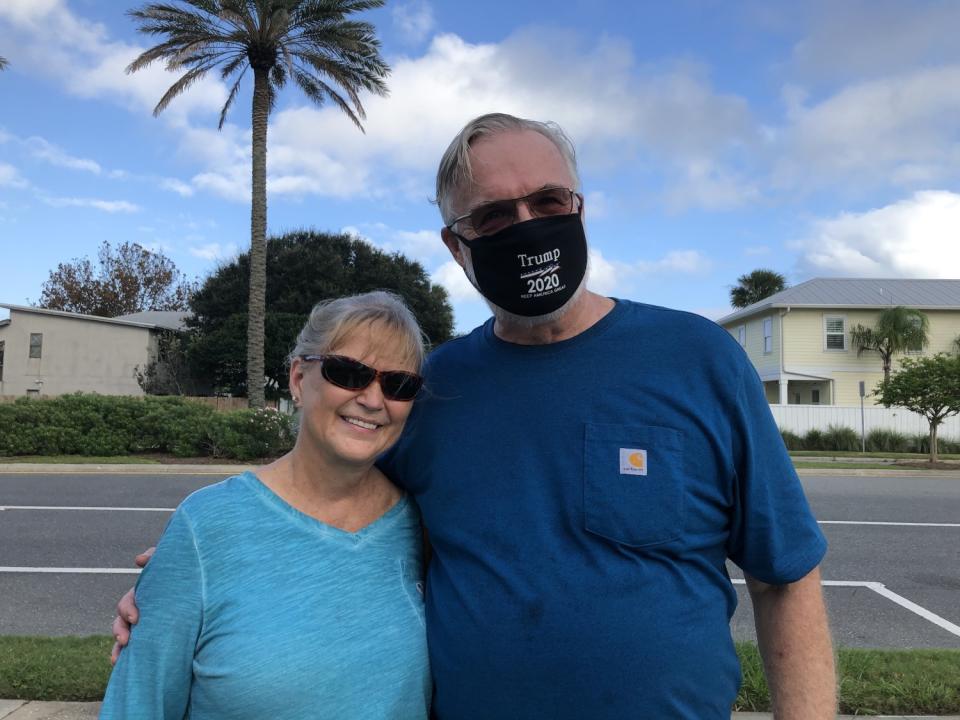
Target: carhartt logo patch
{"x": 633, "y": 461}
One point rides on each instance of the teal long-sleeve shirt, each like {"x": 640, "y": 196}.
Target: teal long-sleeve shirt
{"x": 252, "y": 609}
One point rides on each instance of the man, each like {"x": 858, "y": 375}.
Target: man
{"x": 585, "y": 466}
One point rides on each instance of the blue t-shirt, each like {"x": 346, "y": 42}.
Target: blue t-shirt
{"x": 582, "y": 498}
{"x": 251, "y": 609}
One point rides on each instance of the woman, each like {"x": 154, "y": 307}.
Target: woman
{"x": 295, "y": 591}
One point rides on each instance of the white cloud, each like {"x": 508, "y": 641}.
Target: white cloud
{"x": 609, "y": 277}
{"x": 451, "y": 276}
{"x": 753, "y": 250}
{"x": 616, "y": 111}
{"x": 49, "y": 39}
{"x": 50, "y": 153}
{"x": 866, "y": 38}
{"x": 10, "y": 177}
{"x": 108, "y": 206}
{"x": 899, "y": 128}
{"x": 916, "y": 237}
{"x": 178, "y": 186}
{"x": 215, "y": 251}
{"x": 414, "y": 20}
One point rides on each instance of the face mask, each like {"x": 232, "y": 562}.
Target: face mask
{"x": 533, "y": 267}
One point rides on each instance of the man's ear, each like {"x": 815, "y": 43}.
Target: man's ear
{"x": 453, "y": 245}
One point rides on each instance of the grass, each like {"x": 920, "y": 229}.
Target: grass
{"x": 81, "y": 459}
{"x": 885, "y": 455}
{"x": 873, "y": 682}
{"x": 65, "y": 668}
{"x": 888, "y": 682}
{"x": 813, "y": 465}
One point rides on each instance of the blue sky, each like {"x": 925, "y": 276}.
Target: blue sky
{"x": 815, "y": 138}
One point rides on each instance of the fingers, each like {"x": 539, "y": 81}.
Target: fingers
{"x": 143, "y": 558}
{"x": 115, "y": 653}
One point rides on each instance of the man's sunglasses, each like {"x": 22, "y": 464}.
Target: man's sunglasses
{"x": 492, "y": 217}
{"x": 352, "y": 374}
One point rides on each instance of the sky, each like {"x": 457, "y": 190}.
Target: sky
{"x": 714, "y": 137}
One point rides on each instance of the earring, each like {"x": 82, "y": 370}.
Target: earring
{"x": 296, "y": 401}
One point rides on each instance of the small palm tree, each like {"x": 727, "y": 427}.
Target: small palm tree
{"x": 756, "y": 286}
{"x": 3, "y": 63}
{"x": 314, "y": 42}
{"x": 898, "y": 330}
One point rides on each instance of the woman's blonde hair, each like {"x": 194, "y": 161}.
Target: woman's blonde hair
{"x": 331, "y": 322}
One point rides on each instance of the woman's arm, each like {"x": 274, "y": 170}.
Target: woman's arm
{"x": 152, "y": 678}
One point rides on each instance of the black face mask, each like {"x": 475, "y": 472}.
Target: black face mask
{"x": 531, "y": 268}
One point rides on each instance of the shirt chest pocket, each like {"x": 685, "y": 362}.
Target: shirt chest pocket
{"x": 633, "y": 483}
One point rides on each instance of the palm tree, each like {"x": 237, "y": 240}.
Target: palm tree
{"x": 898, "y": 330}
{"x": 311, "y": 41}
{"x": 755, "y": 286}
{"x": 3, "y": 63}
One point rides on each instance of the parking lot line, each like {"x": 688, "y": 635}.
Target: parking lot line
{"x": 884, "y": 591}
{"x": 84, "y": 507}
{"x": 72, "y": 570}
{"x": 884, "y": 522}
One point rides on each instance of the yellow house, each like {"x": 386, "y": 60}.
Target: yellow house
{"x": 799, "y": 339}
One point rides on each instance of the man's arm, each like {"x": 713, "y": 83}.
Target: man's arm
{"x": 794, "y": 641}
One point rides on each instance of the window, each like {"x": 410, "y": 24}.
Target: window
{"x": 36, "y": 344}
{"x": 742, "y": 335}
{"x": 916, "y": 348}
{"x": 768, "y": 335}
{"x": 835, "y": 335}
{"x": 815, "y": 396}
{"x": 2, "y": 344}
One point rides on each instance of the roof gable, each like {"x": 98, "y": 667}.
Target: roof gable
{"x": 859, "y": 293}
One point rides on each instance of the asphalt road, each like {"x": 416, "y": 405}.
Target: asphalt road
{"x": 874, "y": 564}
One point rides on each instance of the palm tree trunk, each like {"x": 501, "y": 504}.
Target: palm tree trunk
{"x": 258, "y": 241}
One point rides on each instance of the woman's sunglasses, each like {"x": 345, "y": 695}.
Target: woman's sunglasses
{"x": 352, "y": 374}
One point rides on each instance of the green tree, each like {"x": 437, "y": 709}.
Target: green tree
{"x": 129, "y": 279}
{"x": 956, "y": 344}
{"x": 926, "y": 385}
{"x": 898, "y": 329}
{"x": 303, "y": 267}
{"x": 3, "y": 63}
{"x": 314, "y": 42}
{"x": 756, "y": 286}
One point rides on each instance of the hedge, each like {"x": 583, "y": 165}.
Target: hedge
{"x": 85, "y": 424}
{"x": 845, "y": 439}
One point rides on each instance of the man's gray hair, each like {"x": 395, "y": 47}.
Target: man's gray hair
{"x": 455, "y": 173}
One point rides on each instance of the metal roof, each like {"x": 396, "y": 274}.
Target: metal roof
{"x": 167, "y": 319}
{"x": 859, "y": 293}
{"x": 128, "y": 320}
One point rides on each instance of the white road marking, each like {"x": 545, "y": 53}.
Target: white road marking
{"x": 84, "y": 507}
{"x": 883, "y": 591}
{"x": 72, "y": 570}
{"x": 874, "y": 522}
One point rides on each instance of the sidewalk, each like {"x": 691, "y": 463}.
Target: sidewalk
{"x": 20, "y": 710}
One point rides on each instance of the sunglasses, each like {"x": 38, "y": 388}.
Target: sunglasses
{"x": 492, "y": 217}
{"x": 351, "y": 374}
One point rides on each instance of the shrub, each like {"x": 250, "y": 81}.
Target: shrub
{"x": 792, "y": 440}
{"x": 814, "y": 440}
{"x": 841, "y": 439}
{"x": 889, "y": 441}
{"x": 81, "y": 424}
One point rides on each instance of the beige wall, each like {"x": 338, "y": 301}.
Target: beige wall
{"x": 805, "y": 353}
{"x": 77, "y": 355}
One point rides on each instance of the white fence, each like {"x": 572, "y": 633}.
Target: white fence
{"x": 802, "y": 418}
